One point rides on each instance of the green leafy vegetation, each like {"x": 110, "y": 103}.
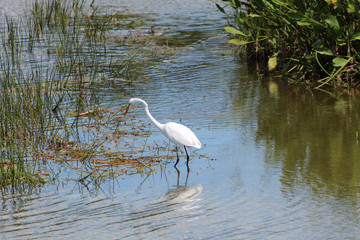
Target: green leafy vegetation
{"x": 311, "y": 41}
{"x": 53, "y": 61}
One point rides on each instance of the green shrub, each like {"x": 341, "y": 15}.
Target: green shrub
{"x": 309, "y": 40}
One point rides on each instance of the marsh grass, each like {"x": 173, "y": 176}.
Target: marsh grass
{"x": 52, "y": 62}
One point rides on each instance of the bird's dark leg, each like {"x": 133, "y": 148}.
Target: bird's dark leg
{"x": 187, "y": 176}
{"x": 177, "y": 155}
{"x": 187, "y": 158}
{"x": 178, "y": 177}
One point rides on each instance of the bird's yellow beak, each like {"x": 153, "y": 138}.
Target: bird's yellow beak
{"x": 127, "y": 109}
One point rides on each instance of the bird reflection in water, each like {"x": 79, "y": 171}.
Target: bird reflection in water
{"x": 184, "y": 193}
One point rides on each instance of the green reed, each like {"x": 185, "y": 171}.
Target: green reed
{"x": 52, "y": 62}
{"x": 44, "y": 63}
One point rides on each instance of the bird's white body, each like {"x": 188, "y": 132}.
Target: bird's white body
{"x": 180, "y": 135}
{"x": 177, "y": 133}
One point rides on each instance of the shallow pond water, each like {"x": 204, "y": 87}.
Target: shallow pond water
{"x": 280, "y": 161}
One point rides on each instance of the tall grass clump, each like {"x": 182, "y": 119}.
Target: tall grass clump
{"x": 53, "y": 63}
{"x": 311, "y": 41}
{"x": 27, "y": 120}
{"x": 45, "y": 60}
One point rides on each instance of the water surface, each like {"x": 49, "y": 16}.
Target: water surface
{"x": 281, "y": 161}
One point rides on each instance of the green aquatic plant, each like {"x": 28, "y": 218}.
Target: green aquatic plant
{"x": 40, "y": 86}
{"x": 52, "y": 61}
{"x": 311, "y": 41}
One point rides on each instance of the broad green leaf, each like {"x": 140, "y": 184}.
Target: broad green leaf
{"x": 332, "y": 21}
{"x": 234, "y": 31}
{"x": 297, "y": 15}
{"x": 238, "y": 42}
{"x": 355, "y": 36}
{"x": 319, "y": 47}
{"x": 340, "y": 62}
{"x": 272, "y": 63}
{"x": 351, "y": 8}
{"x": 324, "y": 51}
{"x": 253, "y": 15}
{"x": 318, "y": 26}
{"x": 300, "y": 23}
{"x": 341, "y": 41}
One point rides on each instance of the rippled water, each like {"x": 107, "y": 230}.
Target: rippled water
{"x": 280, "y": 161}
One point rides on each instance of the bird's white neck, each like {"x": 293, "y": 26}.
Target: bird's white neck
{"x": 157, "y": 124}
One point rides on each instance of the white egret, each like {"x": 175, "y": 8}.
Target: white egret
{"x": 177, "y": 133}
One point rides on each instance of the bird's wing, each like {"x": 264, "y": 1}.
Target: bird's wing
{"x": 181, "y": 135}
